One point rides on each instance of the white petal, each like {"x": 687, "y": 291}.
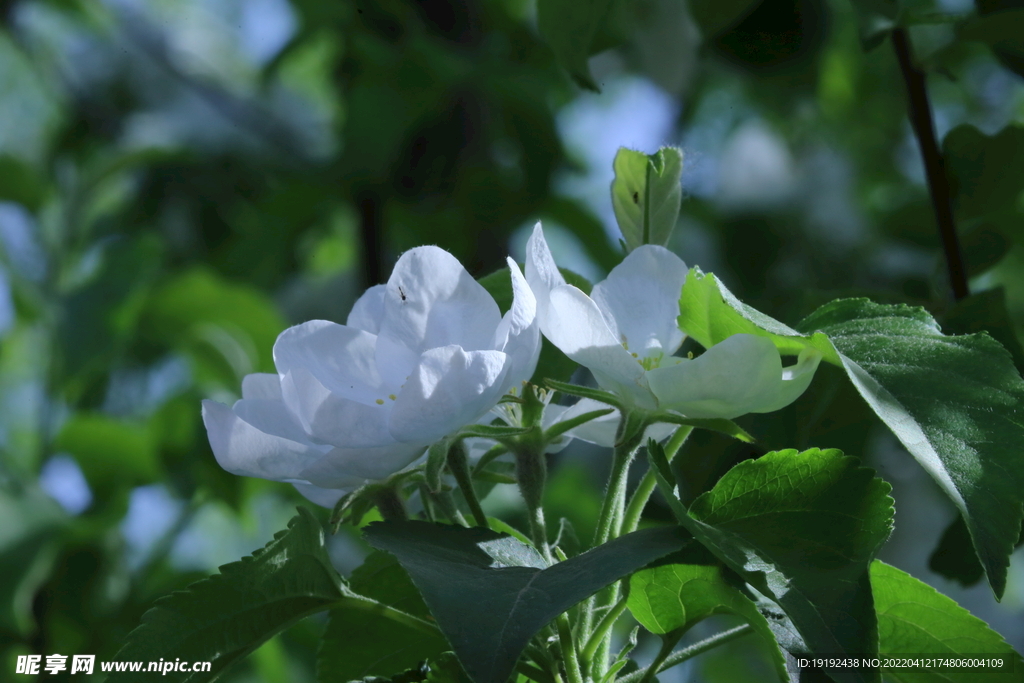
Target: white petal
{"x": 331, "y": 419}
{"x": 368, "y": 310}
{"x": 730, "y": 379}
{"x": 347, "y": 468}
{"x": 271, "y": 417}
{"x": 262, "y": 385}
{"x": 795, "y": 380}
{"x": 241, "y": 448}
{"x": 640, "y": 300}
{"x": 449, "y": 388}
{"x": 576, "y": 326}
{"x": 341, "y": 358}
{"x": 431, "y": 301}
{"x": 326, "y": 498}
{"x": 518, "y": 333}
{"x": 541, "y": 272}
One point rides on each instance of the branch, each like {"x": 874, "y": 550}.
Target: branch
{"x": 938, "y": 185}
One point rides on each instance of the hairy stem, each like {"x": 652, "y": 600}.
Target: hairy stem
{"x": 680, "y": 656}
{"x": 458, "y": 463}
{"x": 389, "y": 503}
{"x": 602, "y": 629}
{"x": 631, "y": 430}
{"x": 572, "y": 664}
{"x": 668, "y": 642}
{"x": 531, "y": 472}
{"x": 938, "y": 185}
{"x": 647, "y": 485}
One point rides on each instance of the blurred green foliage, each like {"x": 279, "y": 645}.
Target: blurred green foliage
{"x": 180, "y": 181}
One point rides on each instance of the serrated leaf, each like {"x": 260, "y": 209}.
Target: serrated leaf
{"x": 358, "y": 643}
{"x": 671, "y": 598}
{"x": 986, "y": 312}
{"x": 954, "y": 557}
{"x": 914, "y": 618}
{"x": 952, "y": 401}
{"x": 646, "y": 194}
{"x": 802, "y": 529}
{"x": 223, "y": 618}
{"x": 490, "y": 593}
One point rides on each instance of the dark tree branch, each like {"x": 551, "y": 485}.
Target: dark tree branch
{"x": 938, "y": 185}
{"x": 371, "y": 230}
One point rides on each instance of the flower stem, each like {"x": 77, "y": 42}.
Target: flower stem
{"x": 458, "y": 463}
{"x": 628, "y": 439}
{"x": 389, "y": 503}
{"x": 531, "y": 472}
{"x": 444, "y": 501}
{"x": 668, "y": 643}
{"x": 572, "y": 664}
{"x": 680, "y": 656}
{"x": 647, "y": 485}
{"x": 615, "y": 496}
{"x": 602, "y": 629}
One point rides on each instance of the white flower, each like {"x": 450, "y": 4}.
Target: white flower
{"x": 626, "y": 331}
{"x": 419, "y": 358}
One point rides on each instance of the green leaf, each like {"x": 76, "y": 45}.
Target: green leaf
{"x": 559, "y": 428}
{"x": 490, "y": 593}
{"x": 875, "y": 19}
{"x": 570, "y": 27}
{"x": 986, "y": 312}
{"x": 446, "y": 669}
{"x": 111, "y": 452}
{"x": 226, "y": 616}
{"x": 359, "y": 643}
{"x": 714, "y": 424}
{"x": 952, "y": 401}
{"x": 715, "y": 16}
{"x": 915, "y": 618}
{"x": 227, "y": 329}
{"x": 954, "y": 557}
{"x": 1001, "y": 28}
{"x": 802, "y": 529}
{"x": 28, "y": 549}
{"x": 671, "y": 598}
{"x": 19, "y": 182}
{"x": 646, "y": 195}
{"x": 584, "y": 392}
{"x": 986, "y": 172}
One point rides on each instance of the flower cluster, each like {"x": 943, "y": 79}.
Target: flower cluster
{"x": 429, "y": 353}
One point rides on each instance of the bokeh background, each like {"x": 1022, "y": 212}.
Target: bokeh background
{"x": 182, "y": 179}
